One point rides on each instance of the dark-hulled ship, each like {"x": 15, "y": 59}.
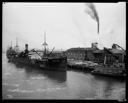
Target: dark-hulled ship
{"x": 48, "y": 60}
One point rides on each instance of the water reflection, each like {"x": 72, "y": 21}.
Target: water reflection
{"x": 58, "y": 76}
{"x": 108, "y": 79}
{"x": 106, "y": 86}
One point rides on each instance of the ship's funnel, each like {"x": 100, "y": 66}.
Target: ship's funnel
{"x": 26, "y": 46}
{"x": 26, "y": 49}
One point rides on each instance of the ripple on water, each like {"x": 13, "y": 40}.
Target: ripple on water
{"x": 10, "y": 96}
{"x": 118, "y": 94}
{"x": 7, "y": 74}
{"x": 38, "y": 90}
{"x": 21, "y": 91}
{"x": 50, "y": 89}
{"x": 15, "y": 85}
{"x": 35, "y": 78}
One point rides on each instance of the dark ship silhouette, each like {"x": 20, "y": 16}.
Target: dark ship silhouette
{"x": 49, "y": 60}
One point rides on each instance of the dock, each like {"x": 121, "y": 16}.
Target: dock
{"x": 81, "y": 65}
{"x": 111, "y": 71}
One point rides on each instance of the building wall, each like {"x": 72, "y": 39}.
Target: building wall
{"x": 75, "y": 55}
{"x": 80, "y": 55}
{"x": 99, "y": 57}
{"x": 111, "y": 59}
{"x": 89, "y": 55}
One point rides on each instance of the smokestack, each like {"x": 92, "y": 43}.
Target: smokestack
{"x": 26, "y": 46}
{"x": 26, "y": 49}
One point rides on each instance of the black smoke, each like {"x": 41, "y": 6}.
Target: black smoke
{"x": 91, "y": 10}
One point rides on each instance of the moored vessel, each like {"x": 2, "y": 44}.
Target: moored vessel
{"x": 48, "y": 60}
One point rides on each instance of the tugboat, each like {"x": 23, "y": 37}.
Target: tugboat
{"x": 49, "y": 60}
{"x": 116, "y": 70}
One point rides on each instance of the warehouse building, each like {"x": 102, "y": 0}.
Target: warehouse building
{"x": 82, "y": 53}
{"x": 96, "y": 55}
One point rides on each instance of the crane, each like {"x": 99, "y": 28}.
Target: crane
{"x": 116, "y": 57}
{"x": 114, "y": 45}
{"x": 51, "y": 51}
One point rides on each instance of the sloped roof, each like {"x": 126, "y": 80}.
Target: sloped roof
{"x": 116, "y": 51}
{"x": 80, "y": 49}
{"x": 98, "y": 51}
{"x": 57, "y": 52}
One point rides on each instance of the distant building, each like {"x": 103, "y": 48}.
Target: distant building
{"x": 95, "y": 55}
{"x": 82, "y": 53}
{"x": 99, "y": 56}
{"x": 118, "y": 53}
{"x": 111, "y": 57}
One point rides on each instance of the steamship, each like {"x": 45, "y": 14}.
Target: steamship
{"x": 49, "y": 60}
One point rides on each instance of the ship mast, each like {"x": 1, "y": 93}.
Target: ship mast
{"x": 16, "y": 47}
{"x": 16, "y": 42}
{"x": 45, "y": 44}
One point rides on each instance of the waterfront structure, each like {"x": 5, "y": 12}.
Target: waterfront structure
{"x": 113, "y": 64}
{"x": 118, "y": 53}
{"x": 110, "y": 59}
{"x": 112, "y": 55}
{"x": 99, "y": 56}
{"x": 81, "y": 53}
{"x": 96, "y": 55}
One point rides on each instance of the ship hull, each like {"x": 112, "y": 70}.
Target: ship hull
{"x": 61, "y": 66}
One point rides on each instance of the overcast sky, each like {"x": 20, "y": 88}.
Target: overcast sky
{"x": 66, "y": 24}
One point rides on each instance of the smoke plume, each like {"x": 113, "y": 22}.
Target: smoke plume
{"x": 91, "y": 10}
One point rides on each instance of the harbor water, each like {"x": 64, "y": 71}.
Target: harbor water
{"x": 22, "y": 82}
